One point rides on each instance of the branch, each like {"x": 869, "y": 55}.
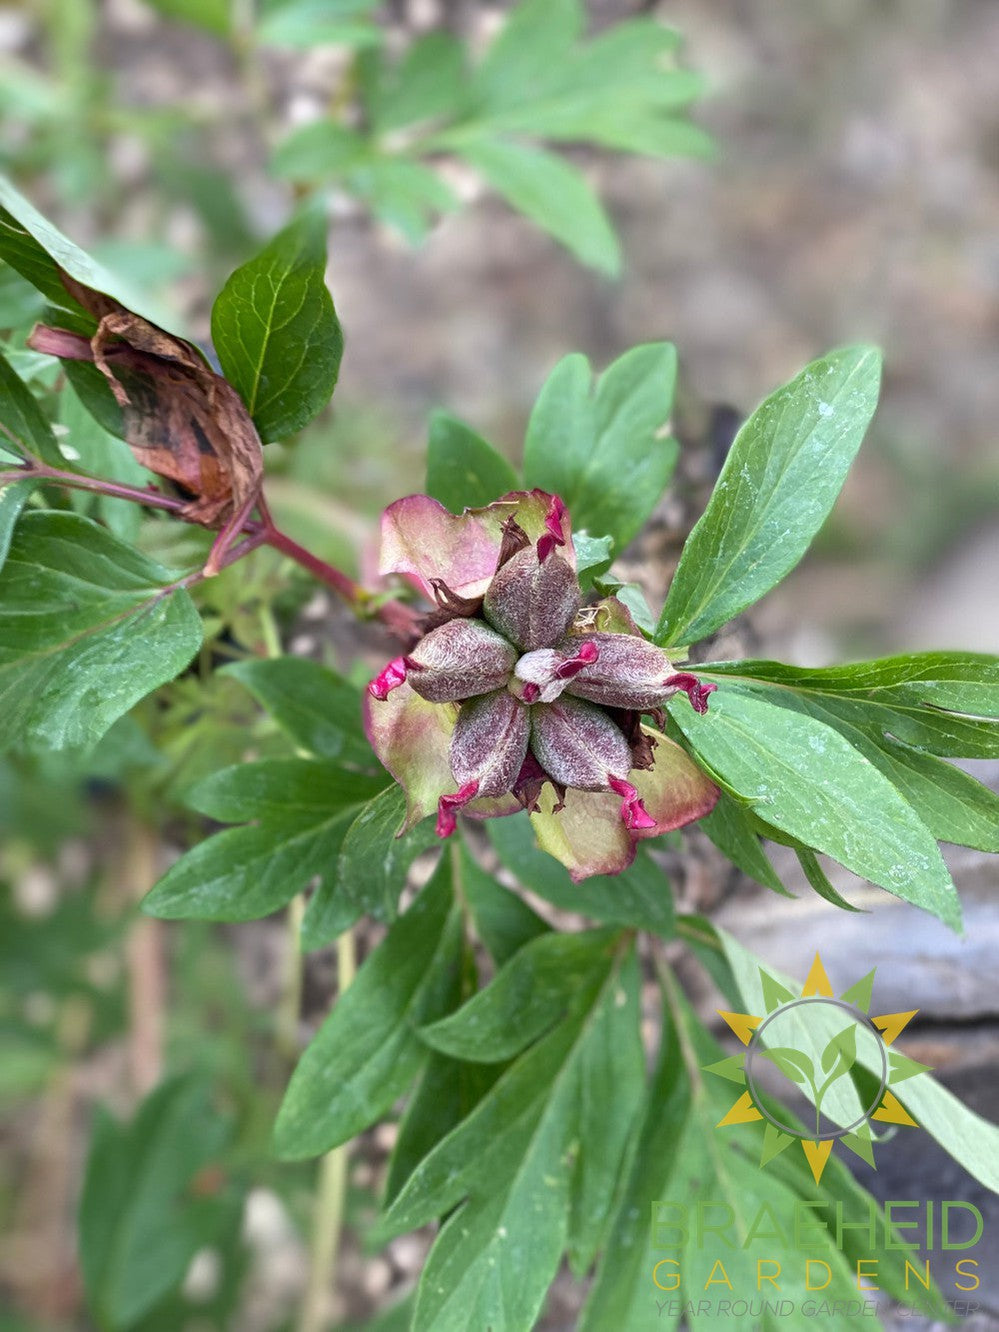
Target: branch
{"x": 398, "y": 618}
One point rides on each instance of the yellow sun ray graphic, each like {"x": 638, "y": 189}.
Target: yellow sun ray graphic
{"x": 810, "y": 1013}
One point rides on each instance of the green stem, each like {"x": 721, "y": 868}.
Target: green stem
{"x": 286, "y": 1023}
{"x": 331, "y": 1193}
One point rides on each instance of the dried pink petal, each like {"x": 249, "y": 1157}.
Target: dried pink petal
{"x": 556, "y": 528}
{"x": 448, "y": 806}
{"x": 391, "y": 677}
{"x": 696, "y": 691}
{"x": 634, "y": 815}
{"x": 412, "y": 738}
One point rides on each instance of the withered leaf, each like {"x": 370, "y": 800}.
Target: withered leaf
{"x": 181, "y": 420}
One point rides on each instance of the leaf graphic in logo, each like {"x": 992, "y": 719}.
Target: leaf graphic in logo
{"x": 840, "y": 1054}
{"x": 792, "y": 1063}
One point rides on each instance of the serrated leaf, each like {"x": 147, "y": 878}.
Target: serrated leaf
{"x": 87, "y": 628}
{"x": 367, "y": 1052}
{"x": 463, "y": 471}
{"x": 779, "y": 483}
{"x": 276, "y": 332}
{"x": 315, "y": 707}
{"x": 804, "y": 778}
{"x": 374, "y": 860}
{"x": 551, "y": 193}
{"x": 301, "y": 810}
{"x": 524, "y": 1162}
{"x": 640, "y": 896}
{"x": 526, "y": 997}
{"x": 138, "y": 1230}
{"x": 602, "y": 449}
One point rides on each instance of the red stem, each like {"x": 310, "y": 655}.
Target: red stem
{"x": 74, "y": 481}
{"x": 401, "y": 619}
{"x": 346, "y": 587}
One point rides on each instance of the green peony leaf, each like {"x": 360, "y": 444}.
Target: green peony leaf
{"x": 682, "y": 1160}
{"x": 969, "y": 1139}
{"x": 375, "y": 860}
{"x": 602, "y": 449}
{"x": 526, "y": 998}
{"x": 779, "y": 483}
{"x": 366, "y": 1052}
{"x": 300, "y": 811}
{"x": 463, "y": 471}
{"x": 316, "y": 708}
{"x": 640, "y": 897}
{"x": 276, "y": 332}
{"x": 139, "y": 1227}
{"x": 520, "y": 1161}
{"x": 805, "y": 779}
{"x": 88, "y": 626}
{"x": 551, "y": 193}
{"x": 22, "y": 424}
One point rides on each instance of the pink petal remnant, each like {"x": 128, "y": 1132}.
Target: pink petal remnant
{"x": 424, "y": 542}
{"x": 634, "y": 815}
{"x": 586, "y": 656}
{"x": 695, "y": 689}
{"x": 390, "y": 678}
{"x": 449, "y": 804}
{"x": 554, "y": 533}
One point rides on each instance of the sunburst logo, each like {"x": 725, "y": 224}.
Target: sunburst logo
{"x": 836, "y": 1055}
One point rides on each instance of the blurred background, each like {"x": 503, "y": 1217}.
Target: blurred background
{"x": 853, "y": 194}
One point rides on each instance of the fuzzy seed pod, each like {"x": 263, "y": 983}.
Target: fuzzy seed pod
{"x": 490, "y": 742}
{"x": 459, "y": 659}
{"x": 578, "y": 745}
{"x": 629, "y": 672}
{"x": 530, "y": 602}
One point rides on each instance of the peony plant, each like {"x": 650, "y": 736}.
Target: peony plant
{"x": 522, "y": 695}
{"x": 500, "y": 1022}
